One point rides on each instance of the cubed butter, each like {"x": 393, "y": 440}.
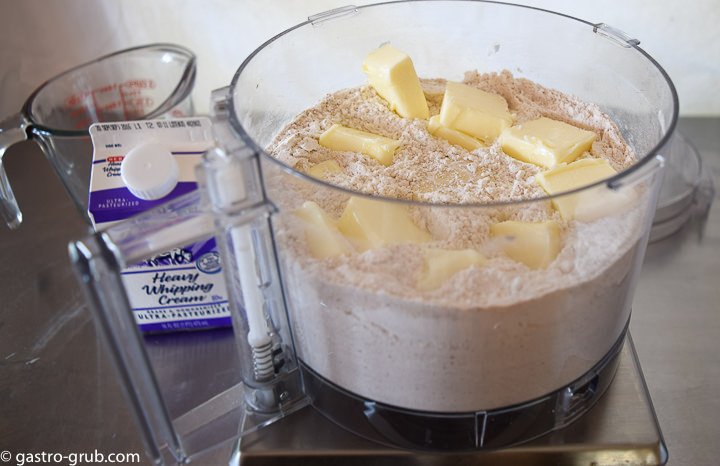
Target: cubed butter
{"x": 323, "y": 169}
{"x": 441, "y": 264}
{"x": 480, "y": 114}
{"x": 589, "y": 204}
{"x": 546, "y": 142}
{"x": 451, "y": 135}
{"x": 372, "y": 224}
{"x": 392, "y": 74}
{"x": 321, "y": 232}
{"x": 339, "y": 137}
{"x": 534, "y": 244}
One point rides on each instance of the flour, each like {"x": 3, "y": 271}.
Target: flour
{"x": 491, "y": 336}
{"x": 484, "y": 175}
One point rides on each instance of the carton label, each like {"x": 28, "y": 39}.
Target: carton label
{"x": 179, "y": 289}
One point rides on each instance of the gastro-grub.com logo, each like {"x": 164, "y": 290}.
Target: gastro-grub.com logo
{"x": 69, "y": 459}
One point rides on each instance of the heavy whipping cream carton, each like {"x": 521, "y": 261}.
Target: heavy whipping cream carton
{"x": 138, "y": 165}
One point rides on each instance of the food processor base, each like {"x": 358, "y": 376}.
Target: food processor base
{"x": 621, "y": 428}
{"x": 484, "y": 429}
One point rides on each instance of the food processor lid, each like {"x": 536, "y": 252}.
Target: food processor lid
{"x": 687, "y": 190}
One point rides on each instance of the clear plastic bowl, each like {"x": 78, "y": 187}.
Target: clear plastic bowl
{"x": 459, "y": 352}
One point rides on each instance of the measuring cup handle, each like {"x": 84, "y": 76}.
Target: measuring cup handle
{"x": 12, "y": 130}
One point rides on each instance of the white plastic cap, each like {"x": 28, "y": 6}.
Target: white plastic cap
{"x": 149, "y": 171}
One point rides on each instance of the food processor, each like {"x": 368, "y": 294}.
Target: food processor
{"x": 409, "y": 371}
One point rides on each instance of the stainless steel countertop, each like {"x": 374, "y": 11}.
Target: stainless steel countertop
{"x": 58, "y": 391}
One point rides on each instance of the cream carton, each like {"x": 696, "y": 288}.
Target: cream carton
{"x": 136, "y": 166}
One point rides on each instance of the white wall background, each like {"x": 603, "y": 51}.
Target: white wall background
{"x": 41, "y": 38}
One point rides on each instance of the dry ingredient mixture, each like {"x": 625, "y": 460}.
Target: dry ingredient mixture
{"x": 491, "y": 336}
{"x": 430, "y": 169}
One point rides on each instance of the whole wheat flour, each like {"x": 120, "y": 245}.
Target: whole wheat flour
{"x": 491, "y": 336}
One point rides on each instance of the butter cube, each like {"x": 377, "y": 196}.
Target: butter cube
{"x": 392, "y": 74}
{"x": 372, "y": 224}
{"x": 480, "y": 114}
{"x": 323, "y": 169}
{"x": 589, "y": 204}
{"x": 339, "y": 137}
{"x": 534, "y": 244}
{"x": 451, "y": 135}
{"x": 321, "y": 232}
{"x": 546, "y": 142}
{"x": 441, "y": 264}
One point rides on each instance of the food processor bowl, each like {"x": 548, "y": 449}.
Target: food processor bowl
{"x": 486, "y": 344}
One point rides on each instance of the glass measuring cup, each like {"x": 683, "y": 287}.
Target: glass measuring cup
{"x": 137, "y": 83}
